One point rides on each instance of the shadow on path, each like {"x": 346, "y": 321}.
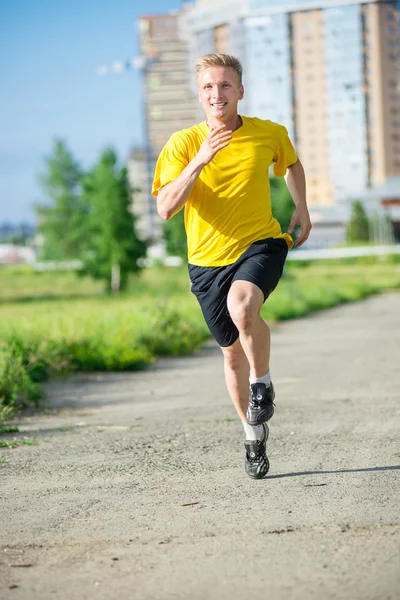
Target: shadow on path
{"x": 366, "y": 470}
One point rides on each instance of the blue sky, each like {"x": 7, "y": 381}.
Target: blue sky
{"x": 49, "y": 52}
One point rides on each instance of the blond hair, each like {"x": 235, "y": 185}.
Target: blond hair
{"x": 220, "y": 60}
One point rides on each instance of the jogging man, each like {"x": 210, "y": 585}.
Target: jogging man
{"x": 218, "y": 171}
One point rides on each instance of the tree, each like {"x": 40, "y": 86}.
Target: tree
{"x": 112, "y": 248}
{"x": 61, "y": 218}
{"x": 282, "y": 203}
{"x": 175, "y": 236}
{"x": 358, "y": 227}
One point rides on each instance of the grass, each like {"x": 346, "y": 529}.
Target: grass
{"x": 4, "y": 429}
{"x": 16, "y": 443}
{"x": 10, "y": 444}
{"x": 58, "y": 322}
{"x": 23, "y": 284}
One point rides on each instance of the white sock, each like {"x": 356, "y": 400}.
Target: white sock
{"x": 253, "y": 432}
{"x": 264, "y": 379}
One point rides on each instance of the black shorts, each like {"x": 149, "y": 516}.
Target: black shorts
{"x": 262, "y": 264}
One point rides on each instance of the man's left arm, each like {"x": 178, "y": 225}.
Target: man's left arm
{"x": 296, "y": 183}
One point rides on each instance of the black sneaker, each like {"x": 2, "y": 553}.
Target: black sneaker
{"x": 261, "y": 403}
{"x": 256, "y": 463}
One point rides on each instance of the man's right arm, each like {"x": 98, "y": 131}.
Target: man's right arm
{"x": 172, "y": 197}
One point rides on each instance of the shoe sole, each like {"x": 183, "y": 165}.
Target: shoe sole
{"x": 260, "y": 475}
{"x": 260, "y": 422}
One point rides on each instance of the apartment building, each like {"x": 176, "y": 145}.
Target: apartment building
{"x": 139, "y": 180}
{"x": 168, "y": 102}
{"x": 329, "y": 70}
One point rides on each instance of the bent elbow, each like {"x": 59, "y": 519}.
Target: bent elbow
{"x": 164, "y": 212}
{"x": 162, "y": 206}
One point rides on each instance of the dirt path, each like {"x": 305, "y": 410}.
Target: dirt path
{"x": 136, "y": 490}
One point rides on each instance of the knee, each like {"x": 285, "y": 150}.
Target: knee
{"x": 242, "y": 314}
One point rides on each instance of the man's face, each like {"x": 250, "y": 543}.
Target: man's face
{"x": 219, "y": 92}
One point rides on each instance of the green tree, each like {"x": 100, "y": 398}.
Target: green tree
{"x": 175, "y": 236}
{"x": 61, "y": 217}
{"x": 282, "y": 203}
{"x": 358, "y": 227}
{"x": 112, "y": 247}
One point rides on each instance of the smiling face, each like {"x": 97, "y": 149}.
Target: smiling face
{"x": 219, "y": 93}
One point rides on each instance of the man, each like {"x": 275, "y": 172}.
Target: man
{"x": 218, "y": 170}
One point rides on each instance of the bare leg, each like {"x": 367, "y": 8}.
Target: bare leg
{"x": 244, "y": 303}
{"x": 237, "y": 371}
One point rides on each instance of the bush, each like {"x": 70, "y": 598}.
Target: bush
{"x": 169, "y": 333}
{"x": 40, "y": 357}
{"x": 16, "y": 387}
{"x": 116, "y": 354}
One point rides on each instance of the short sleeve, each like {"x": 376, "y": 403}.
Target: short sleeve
{"x": 285, "y": 154}
{"x": 172, "y": 160}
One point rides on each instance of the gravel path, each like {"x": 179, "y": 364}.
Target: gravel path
{"x": 135, "y": 488}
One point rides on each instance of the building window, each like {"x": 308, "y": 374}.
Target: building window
{"x": 221, "y": 38}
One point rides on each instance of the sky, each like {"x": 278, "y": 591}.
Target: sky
{"x": 49, "y": 87}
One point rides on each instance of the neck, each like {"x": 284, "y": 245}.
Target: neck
{"x": 233, "y": 123}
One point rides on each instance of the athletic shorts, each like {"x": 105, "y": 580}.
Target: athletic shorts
{"x": 262, "y": 264}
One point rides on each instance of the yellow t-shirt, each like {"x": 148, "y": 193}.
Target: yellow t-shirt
{"x": 229, "y": 206}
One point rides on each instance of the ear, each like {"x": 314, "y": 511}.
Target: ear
{"x": 241, "y": 92}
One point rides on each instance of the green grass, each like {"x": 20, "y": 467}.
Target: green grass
{"x": 10, "y": 444}
{"x": 21, "y": 283}
{"x": 76, "y": 327}
{"x": 16, "y": 443}
{"x": 4, "y": 429}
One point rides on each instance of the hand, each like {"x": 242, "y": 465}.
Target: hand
{"x": 302, "y": 218}
{"x": 217, "y": 139}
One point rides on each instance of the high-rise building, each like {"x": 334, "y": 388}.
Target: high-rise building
{"x": 329, "y": 70}
{"x": 169, "y": 104}
{"x": 139, "y": 183}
